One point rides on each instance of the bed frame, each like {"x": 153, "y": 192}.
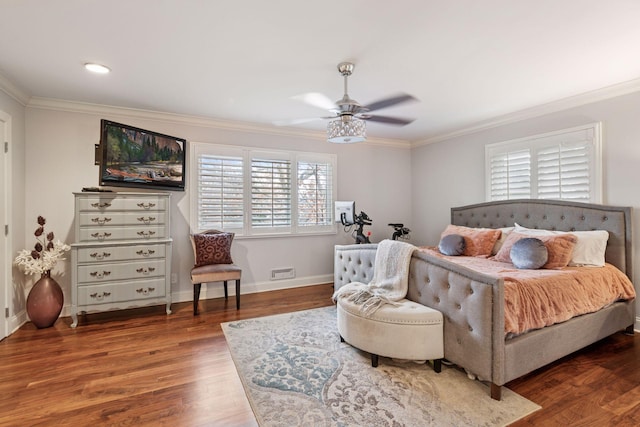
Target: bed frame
{"x": 473, "y": 303}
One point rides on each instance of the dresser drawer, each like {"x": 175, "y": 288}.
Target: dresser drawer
{"x": 125, "y": 292}
{"x": 114, "y": 202}
{"x": 96, "y": 273}
{"x": 106, "y": 219}
{"x": 112, "y": 234}
{"x": 120, "y": 253}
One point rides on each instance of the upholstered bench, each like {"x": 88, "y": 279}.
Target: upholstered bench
{"x": 409, "y": 331}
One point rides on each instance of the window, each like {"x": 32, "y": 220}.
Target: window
{"x": 253, "y": 192}
{"x": 270, "y": 193}
{"x": 562, "y": 165}
{"x": 315, "y": 193}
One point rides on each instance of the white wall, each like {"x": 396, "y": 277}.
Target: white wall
{"x": 451, "y": 173}
{"x": 60, "y": 161}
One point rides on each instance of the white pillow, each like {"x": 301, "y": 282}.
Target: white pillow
{"x": 589, "y": 249}
{"x": 500, "y": 241}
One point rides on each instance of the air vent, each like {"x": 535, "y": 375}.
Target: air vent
{"x": 283, "y": 273}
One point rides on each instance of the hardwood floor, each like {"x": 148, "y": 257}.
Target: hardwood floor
{"x": 141, "y": 367}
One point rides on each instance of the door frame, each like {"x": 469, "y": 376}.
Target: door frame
{"x": 6, "y": 288}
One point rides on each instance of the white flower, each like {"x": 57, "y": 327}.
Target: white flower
{"x": 48, "y": 259}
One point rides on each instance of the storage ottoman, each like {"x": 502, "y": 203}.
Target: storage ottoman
{"x": 408, "y": 330}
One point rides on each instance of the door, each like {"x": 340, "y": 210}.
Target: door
{"x": 5, "y": 253}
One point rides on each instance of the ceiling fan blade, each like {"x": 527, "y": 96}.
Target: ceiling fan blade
{"x": 388, "y": 102}
{"x": 317, "y": 99}
{"x": 388, "y": 120}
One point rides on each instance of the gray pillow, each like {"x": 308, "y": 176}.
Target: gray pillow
{"x": 529, "y": 253}
{"x": 452, "y": 244}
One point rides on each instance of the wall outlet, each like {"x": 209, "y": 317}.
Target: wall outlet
{"x": 174, "y": 278}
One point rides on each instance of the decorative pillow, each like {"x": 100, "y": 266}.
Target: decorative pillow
{"x": 529, "y": 253}
{"x": 452, "y": 244}
{"x": 478, "y": 241}
{"x": 503, "y": 236}
{"x": 213, "y": 248}
{"x": 590, "y": 248}
{"x": 559, "y": 248}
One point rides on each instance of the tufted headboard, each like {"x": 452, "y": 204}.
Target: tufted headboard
{"x": 556, "y": 215}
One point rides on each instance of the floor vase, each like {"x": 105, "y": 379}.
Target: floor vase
{"x": 45, "y": 302}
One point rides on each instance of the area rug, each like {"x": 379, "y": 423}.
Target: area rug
{"x": 296, "y": 372}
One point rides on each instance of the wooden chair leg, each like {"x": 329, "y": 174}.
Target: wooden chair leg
{"x": 496, "y": 391}
{"x": 237, "y": 294}
{"x": 374, "y": 360}
{"x": 226, "y": 292}
{"x": 196, "y": 297}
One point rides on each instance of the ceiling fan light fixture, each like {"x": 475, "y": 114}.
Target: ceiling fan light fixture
{"x": 346, "y": 130}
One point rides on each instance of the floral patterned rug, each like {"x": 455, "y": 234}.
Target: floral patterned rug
{"x": 296, "y": 372}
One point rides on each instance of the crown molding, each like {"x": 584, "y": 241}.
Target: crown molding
{"x": 14, "y": 91}
{"x": 199, "y": 121}
{"x": 591, "y": 97}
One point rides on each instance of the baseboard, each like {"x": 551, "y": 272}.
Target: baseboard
{"x": 217, "y": 291}
{"x": 214, "y": 291}
{"x": 17, "y": 320}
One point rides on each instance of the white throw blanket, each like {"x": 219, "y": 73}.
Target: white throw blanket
{"x": 390, "y": 280}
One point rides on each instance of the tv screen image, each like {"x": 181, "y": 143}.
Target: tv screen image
{"x": 133, "y": 157}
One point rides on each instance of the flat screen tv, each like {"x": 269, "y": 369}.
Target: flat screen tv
{"x": 133, "y": 157}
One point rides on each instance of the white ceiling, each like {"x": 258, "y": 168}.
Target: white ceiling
{"x": 467, "y": 61}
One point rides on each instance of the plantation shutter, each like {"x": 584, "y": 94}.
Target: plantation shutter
{"x": 315, "y": 198}
{"x": 254, "y": 192}
{"x": 563, "y": 165}
{"x": 564, "y": 172}
{"x": 220, "y": 192}
{"x": 510, "y": 175}
{"x": 270, "y": 193}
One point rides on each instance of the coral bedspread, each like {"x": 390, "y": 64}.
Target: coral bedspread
{"x": 538, "y": 298}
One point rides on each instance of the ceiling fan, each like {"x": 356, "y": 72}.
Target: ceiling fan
{"x": 348, "y": 120}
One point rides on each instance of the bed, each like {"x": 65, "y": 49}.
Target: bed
{"x": 473, "y": 303}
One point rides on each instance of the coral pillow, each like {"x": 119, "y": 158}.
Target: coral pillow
{"x": 213, "y": 248}
{"x": 478, "y": 241}
{"x": 590, "y": 248}
{"x": 559, "y": 248}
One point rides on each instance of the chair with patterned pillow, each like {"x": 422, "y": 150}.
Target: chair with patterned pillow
{"x": 213, "y": 263}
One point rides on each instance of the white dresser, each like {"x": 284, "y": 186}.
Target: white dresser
{"x": 122, "y": 254}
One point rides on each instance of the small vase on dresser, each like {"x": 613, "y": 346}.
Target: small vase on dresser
{"x": 122, "y": 255}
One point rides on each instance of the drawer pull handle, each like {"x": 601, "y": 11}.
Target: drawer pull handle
{"x": 96, "y": 255}
{"x": 145, "y": 270}
{"x": 146, "y": 205}
{"x": 101, "y": 236}
{"x": 101, "y": 221}
{"x": 99, "y": 274}
{"x": 146, "y": 253}
{"x": 100, "y": 205}
{"x": 147, "y": 220}
{"x": 146, "y": 233}
{"x": 145, "y": 291}
{"x": 100, "y": 296}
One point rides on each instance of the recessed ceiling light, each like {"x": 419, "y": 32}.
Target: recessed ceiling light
{"x": 97, "y": 68}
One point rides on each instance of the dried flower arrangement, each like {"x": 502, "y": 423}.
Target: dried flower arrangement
{"x": 45, "y": 253}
